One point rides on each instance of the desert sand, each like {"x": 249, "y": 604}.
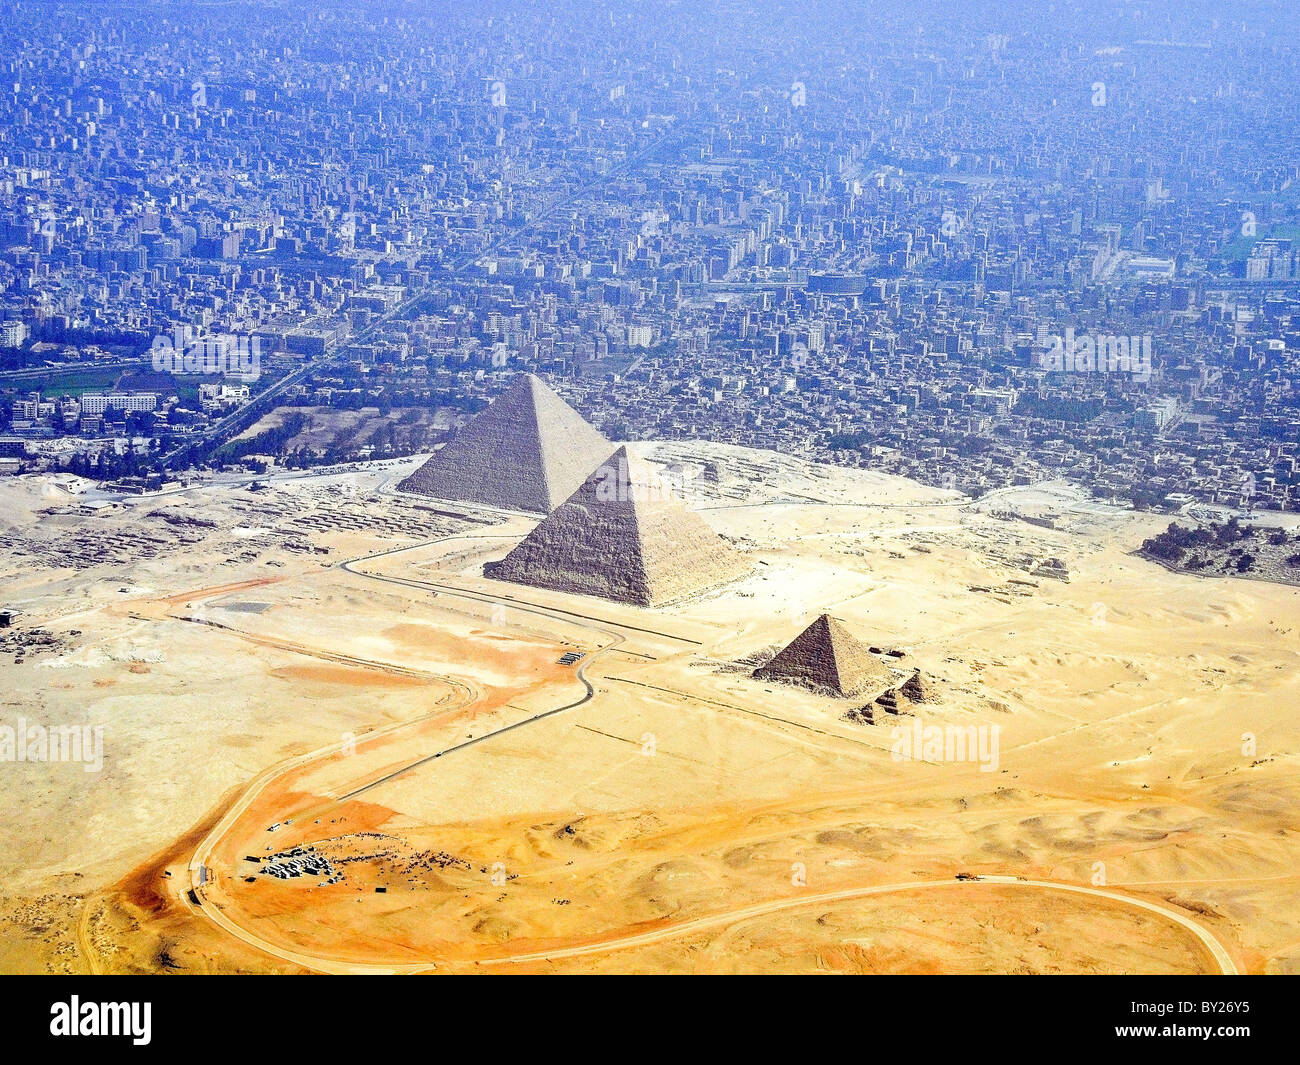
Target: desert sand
{"x": 321, "y": 668}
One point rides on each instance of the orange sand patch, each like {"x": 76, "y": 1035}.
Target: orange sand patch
{"x": 509, "y": 655}
{"x": 352, "y": 678}
{"x": 216, "y": 590}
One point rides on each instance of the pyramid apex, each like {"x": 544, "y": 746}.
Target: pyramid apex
{"x": 529, "y": 381}
{"x": 625, "y": 477}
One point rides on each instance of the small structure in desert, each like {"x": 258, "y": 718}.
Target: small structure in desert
{"x": 918, "y": 688}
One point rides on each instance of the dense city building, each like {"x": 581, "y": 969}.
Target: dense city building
{"x": 1066, "y": 250}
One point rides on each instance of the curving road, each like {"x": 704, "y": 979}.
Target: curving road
{"x": 1222, "y": 959}
{"x": 260, "y": 783}
{"x": 1213, "y": 946}
{"x": 1217, "y": 951}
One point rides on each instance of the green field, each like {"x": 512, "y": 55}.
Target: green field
{"x": 1239, "y": 249}
{"x": 67, "y": 384}
{"x": 54, "y": 384}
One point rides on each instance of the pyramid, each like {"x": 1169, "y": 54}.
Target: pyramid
{"x": 888, "y": 701}
{"x": 827, "y": 656}
{"x": 528, "y": 451}
{"x": 623, "y": 535}
{"x": 918, "y": 689}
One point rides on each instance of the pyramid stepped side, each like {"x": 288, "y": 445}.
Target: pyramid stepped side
{"x": 527, "y": 451}
{"x": 859, "y": 669}
{"x": 826, "y": 655}
{"x": 585, "y": 549}
{"x": 623, "y": 538}
{"x": 809, "y": 658}
{"x": 681, "y": 555}
{"x": 918, "y": 688}
{"x": 488, "y": 460}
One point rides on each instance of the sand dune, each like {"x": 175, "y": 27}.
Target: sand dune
{"x": 1145, "y": 728}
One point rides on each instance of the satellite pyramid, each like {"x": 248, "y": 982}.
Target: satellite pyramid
{"x": 528, "y": 451}
{"x": 826, "y": 655}
{"x": 623, "y": 535}
{"x": 918, "y": 689}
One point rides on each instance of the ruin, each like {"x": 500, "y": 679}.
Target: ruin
{"x": 827, "y": 657}
{"x": 529, "y": 450}
{"x": 624, "y": 535}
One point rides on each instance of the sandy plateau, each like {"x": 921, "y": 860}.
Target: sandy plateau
{"x": 318, "y": 676}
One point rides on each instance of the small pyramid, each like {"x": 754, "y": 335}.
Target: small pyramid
{"x": 623, "y": 535}
{"x": 827, "y": 656}
{"x": 528, "y": 451}
{"x": 918, "y": 689}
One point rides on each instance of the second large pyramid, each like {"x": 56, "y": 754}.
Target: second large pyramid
{"x": 623, "y": 535}
{"x": 528, "y": 451}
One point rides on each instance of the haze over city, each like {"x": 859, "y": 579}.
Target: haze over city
{"x": 649, "y": 488}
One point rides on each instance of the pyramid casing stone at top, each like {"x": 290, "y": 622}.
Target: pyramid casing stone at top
{"x": 528, "y": 451}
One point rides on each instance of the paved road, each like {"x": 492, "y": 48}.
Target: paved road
{"x": 202, "y": 854}
{"x": 588, "y": 691}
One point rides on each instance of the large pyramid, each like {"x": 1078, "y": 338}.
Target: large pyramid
{"x": 528, "y": 451}
{"x": 826, "y": 655}
{"x": 623, "y": 535}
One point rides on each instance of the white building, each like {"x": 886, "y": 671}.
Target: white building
{"x": 12, "y": 334}
{"x": 98, "y": 402}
